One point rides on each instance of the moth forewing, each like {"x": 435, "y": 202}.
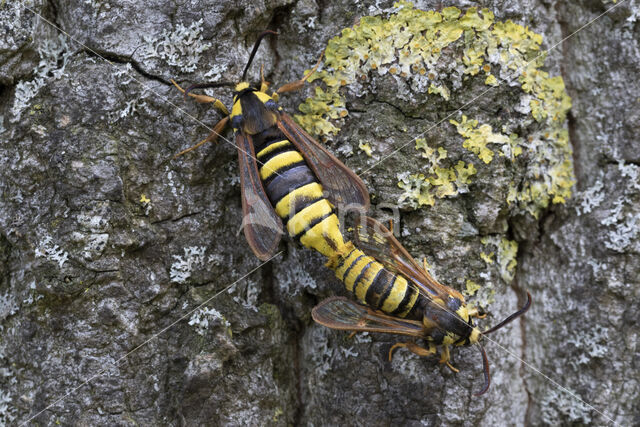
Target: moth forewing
{"x": 262, "y": 226}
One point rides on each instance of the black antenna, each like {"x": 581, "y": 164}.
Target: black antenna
{"x": 518, "y": 313}
{"x": 487, "y": 375}
{"x": 255, "y": 49}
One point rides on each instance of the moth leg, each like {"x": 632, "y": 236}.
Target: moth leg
{"x": 204, "y": 99}
{"x": 264, "y": 85}
{"x": 444, "y": 358}
{"x": 352, "y": 334}
{"x": 294, "y": 86}
{"x": 477, "y": 313}
{"x": 414, "y": 348}
{"x": 213, "y": 136}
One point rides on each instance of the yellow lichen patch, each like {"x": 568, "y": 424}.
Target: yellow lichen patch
{"x": 318, "y": 110}
{"x": 491, "y": 80}
{"x": 471, "y": 288}
{"x": 488, "y": 258}
{"x": 477, "y": 138}
{"x": 421, "y": 190}
{"x": 434, "y": 156}
{"x": 364, "y": 146}
{"x": 507, "y": 253}
{"x": 442, "y": 90}
{"x": 417, "y": 191}
{"x": 463, "y": 174}
{"x": 144, "y": 199}
{"x": 438, "y": 182}
{"x": 437, "y": 54}
{"x": 483, "y": 295}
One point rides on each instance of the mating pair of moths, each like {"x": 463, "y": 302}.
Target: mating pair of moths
{"x": 287, "y": 177}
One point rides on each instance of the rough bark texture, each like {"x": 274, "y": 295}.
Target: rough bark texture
{"x": 107, "y": 245}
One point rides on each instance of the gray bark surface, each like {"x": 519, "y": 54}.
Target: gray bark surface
{"x": 108, "y": 245}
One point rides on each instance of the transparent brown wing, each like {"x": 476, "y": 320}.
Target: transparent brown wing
{"x": 262, "y": 226}
{"x": 344, "y": 314}
{"x": 345, "y": 189}
{"x": 375, "y": 240}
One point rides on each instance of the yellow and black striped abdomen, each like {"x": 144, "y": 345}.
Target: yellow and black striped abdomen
{"x": 296, "y": 195}
{"x": 374, "y": 285}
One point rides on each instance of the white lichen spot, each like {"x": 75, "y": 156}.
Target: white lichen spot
{"x": 127, "y": 70}
{"x": 525, "y": 104}
{"x": 345, "y": 150}
{"x": 175, "y": 189}
{"x": 559, "y": 407}
{"x": 99, "y": 7}
{"x": 130, "y": 108}
{"x": 408, "y": 365}
{"x": 215, "y": 73}
{"x": 8, "y": 306}
{"x": 591, "y": 344}
{"x": 296, "y": 281}
{"x": 7, "y": 410}
{"x": 54, "y": 55}
{"x": 624, "y": 234}
{"x": 246, "y": 296}
{"x": 632, "y": 172}
{"x": 325, "y": 354}
{"x": 202, "y": 318}
{"x": 181, "y": 48}
{"x": 146, "y": 204}
{"x": 589, "y": 199}
{"x": 183, "y": 267}
{"x": 310, "y": 23}
{"x": 623, "y": 216}
{"x": 93, "y": 234}
{"x": 49, "y": 250}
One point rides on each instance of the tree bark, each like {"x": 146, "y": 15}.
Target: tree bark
{"x": 128, "y": 294}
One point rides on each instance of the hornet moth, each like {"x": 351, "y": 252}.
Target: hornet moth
{"x": 428, "y": 310}
{"x": 287, "y": 177}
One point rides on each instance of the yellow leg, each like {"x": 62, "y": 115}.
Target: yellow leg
{"x": 414, "y": 348}
{"x": 293, "y": 86}
{"x": 424, "y": 264}
{"x": 264, "y": 85}
{"x": 477, "y": 313}
{"x": 444, "y": 358}
{"x": 204, "y": 99}
{"x": 213, "y": 136}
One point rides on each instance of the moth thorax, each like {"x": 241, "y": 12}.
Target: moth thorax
{"x": 241, "y": 86}
{"x": 475, "y": 336}
{"x": 463, "y": 312}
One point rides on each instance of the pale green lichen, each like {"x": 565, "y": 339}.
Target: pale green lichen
{"x": 478, "y": 137}
{"x": 438, "y": 182}
{"x": 422, "y": 190}
{"x": 483, "y": 295}
{"x": 433, "y": 53}
{"x": 507, "y": 254}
